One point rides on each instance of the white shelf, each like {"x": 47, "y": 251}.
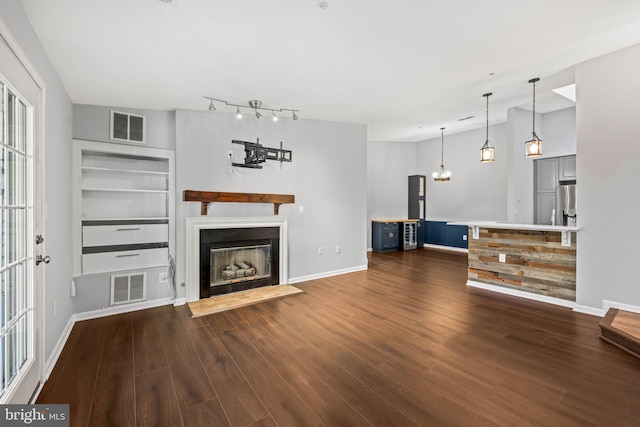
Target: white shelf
{"x": 126, "y": 190}
{"x": 146, "y": 218}
{"x": 129, "y": 171}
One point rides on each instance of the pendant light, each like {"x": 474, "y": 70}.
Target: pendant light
{"x": 442, "y": 174}
{"x": 533, "y": 147}
{"x": 487, "y": 152}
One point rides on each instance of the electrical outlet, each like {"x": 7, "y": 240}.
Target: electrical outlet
{"x": 162, "y": 277}
{"x": 338, "y": 249}
{"x": 301, "y": 209}
{"x": 320, "y": 250}
{"x": 502, "y": 257}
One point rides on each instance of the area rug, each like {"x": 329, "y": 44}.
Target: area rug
{"x": 226, "y": 302}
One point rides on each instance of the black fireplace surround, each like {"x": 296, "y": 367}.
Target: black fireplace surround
{"x": 237, "y": 237}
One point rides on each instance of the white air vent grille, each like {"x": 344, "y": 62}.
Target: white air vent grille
{"x": 127, "y": 127}
{"x": 128, "y": 288}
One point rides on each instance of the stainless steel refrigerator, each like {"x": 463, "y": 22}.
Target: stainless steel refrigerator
{"x": 566, "y": 206}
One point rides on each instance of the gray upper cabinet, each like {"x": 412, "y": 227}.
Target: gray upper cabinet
{"x": 547, "y": 175}
{"x": 567, "y": 167}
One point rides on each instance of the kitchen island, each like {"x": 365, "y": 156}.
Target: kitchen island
{"x": 527, "y": 260}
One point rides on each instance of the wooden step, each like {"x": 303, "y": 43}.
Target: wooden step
{"x": 622, "y": 328}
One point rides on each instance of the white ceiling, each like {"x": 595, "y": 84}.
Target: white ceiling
{"x": 403, "y": 67}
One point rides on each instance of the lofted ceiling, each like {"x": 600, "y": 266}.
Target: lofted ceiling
{"x": 404, "y": 67}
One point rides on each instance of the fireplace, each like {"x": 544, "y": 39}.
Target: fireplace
{"x": 237, "y": 259}
{"x": 232, "y": 254}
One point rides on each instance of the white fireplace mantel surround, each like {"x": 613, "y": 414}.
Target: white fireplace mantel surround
{"x": 195, "y": 224}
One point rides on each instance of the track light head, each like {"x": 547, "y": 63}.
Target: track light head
{"x": 255, "y": 105}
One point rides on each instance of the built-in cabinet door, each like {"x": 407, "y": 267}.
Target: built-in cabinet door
{"x": 567, "y": 167}
{"x": 547, "y": 175}
{"x": 546, "y": 202}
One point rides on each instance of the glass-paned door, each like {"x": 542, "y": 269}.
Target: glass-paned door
{"x": 16, "y": 305}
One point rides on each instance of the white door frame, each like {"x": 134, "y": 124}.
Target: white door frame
{"x": 28, "y": 77}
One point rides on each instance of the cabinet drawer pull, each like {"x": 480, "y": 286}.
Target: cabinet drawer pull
{"x": 128, "y": 255}
{"x": 128, "y": 229}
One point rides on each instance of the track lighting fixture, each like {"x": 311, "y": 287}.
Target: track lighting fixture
{"x": 533, "y": 147}
{"x": 487, "y": 152}
{"x": 442, "y": 174}
{"x": 255, "y": 105}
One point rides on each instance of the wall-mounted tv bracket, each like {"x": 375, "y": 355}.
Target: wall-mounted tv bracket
{"x": 255, "y": 153}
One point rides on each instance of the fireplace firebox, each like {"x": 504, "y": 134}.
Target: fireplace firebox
{"x": 236, "y": 259}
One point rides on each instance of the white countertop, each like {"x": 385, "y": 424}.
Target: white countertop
{"x": 514, "y": 226}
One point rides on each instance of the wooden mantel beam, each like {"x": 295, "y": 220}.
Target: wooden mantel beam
{"x": 206, "y": 197}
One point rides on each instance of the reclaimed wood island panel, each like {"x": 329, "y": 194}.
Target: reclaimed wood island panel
{"x": 535, "y": 259}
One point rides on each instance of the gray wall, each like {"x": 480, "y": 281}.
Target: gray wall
{"x": 327, "y": 176}
{"x": 91, "y": 122}
{"x": 58, "y": 119}
{"x": 476, "y": 190}
{"x": 608, "y": 169}
{"x": 388, "y": 166}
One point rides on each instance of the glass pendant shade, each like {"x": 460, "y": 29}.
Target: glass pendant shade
{"x": 442, "y": 174}
{"x": 487, "y": 153}
{"x": 533, "y": 147}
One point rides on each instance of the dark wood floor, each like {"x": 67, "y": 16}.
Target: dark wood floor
{"x": 404, "y": 343}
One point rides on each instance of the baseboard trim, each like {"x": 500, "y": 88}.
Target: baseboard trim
{"x": 522, "y": 294}
{"x": 55, "y": 355}
{"x": 293, "y": 280}
{"x": 179, "y": 301}
{"x": 446, "y": 248}
{"x": 585, "y": 309}
{"x": 607, "y": 304}
{"x": 120, "y": 309}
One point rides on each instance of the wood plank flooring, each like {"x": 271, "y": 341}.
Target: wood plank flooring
{"x": 403, "y": 343}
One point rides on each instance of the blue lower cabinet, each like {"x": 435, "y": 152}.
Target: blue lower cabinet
{"x": 420, "y": 232}
{"x": 384, "y": 236}
{"x": 435, "y": 232}
{"x": 439, "y": 233}
{"x": 457, "y": 236}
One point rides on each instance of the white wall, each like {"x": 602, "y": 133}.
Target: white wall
{"x": 327, "y": 176}
{"x": 608, "y": 169}
{"x": 58, "y": 120}
{"x": 477, "y": 190}
{"x": 389, "y": 165}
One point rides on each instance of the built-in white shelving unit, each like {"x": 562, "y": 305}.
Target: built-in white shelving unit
{"x": 123, "y": 207}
